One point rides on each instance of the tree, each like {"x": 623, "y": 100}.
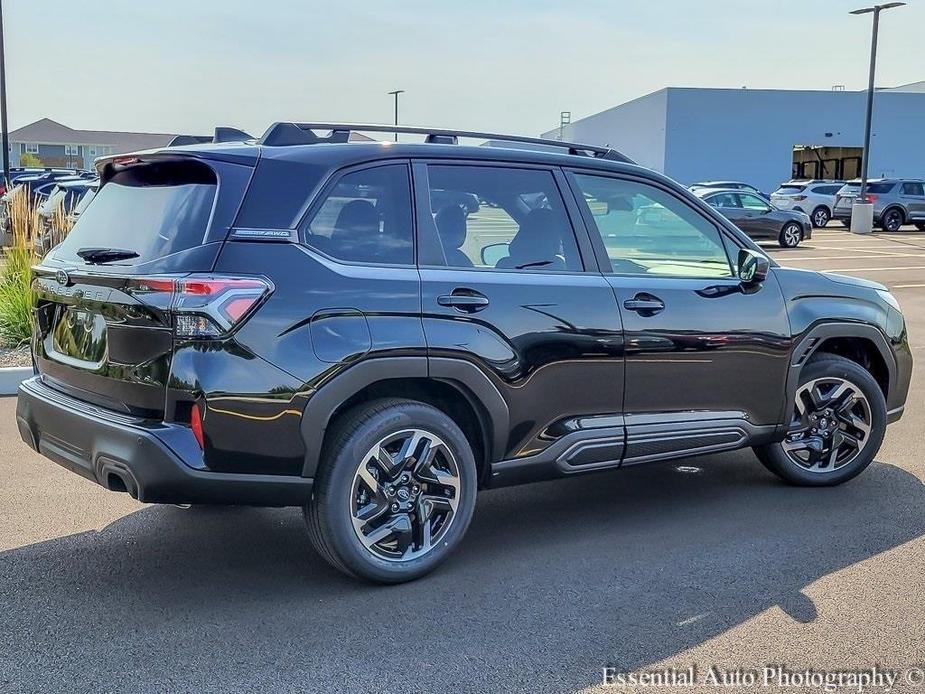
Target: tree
{"x": 29, "y": 159}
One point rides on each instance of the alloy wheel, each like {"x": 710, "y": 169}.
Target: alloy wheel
{"x": 820, "y": 218}
{"x": 831, "y": 424}
{"x": 892, "y": 221}
{"x": 792, "y": 234}
{"x": 404, "y": 495}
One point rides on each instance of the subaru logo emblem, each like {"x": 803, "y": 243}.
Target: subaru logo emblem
{"x": 63, "y": 278}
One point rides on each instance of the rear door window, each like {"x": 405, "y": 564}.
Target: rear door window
{"x": 753, "y": 202}
{"x": 489, "y": 217}
{"x": 366, "y": 218}
{"x": 913, "y": 189}
{"x": 152, "y": 210}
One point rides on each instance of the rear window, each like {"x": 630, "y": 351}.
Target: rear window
{"x": 875, "y": 188}
{"x": 789, "y": 190}
{"x": 153, "y": 210}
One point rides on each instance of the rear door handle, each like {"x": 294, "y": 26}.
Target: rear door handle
{"x": 465, "y": 300}
{"x": 645, "y": 304}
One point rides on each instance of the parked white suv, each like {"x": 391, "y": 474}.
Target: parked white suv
{"x": 815, "y": 198}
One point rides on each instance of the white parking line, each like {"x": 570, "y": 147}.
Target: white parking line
{"x": 874, "y": 269}
{"x": 858, "y": 257}
{"x": 907, "y": 286}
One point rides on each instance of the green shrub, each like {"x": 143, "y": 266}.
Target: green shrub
{"x": 29, "y": 159}
{"x": 16, "y": 296}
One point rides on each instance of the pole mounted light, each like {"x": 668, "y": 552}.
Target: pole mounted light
{"x": 395, "y": 94}
{"x": 865, "y": 153}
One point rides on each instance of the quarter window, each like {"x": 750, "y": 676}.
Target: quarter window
{"x": 366, "y": 218}
{"x": 648, "y": 231}
{"x": 504, "y": 218}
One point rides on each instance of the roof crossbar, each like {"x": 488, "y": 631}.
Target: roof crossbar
{"x": 286, "y": 133}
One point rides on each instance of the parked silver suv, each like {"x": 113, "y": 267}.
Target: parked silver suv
{"x": 897, "y": 201}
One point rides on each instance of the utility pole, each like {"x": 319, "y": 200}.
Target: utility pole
{"x": 395, "y": 94}
{"x": 861, "y": 205}
{"x": 4, "y": 127}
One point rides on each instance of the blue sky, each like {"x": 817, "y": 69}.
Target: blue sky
{"x": 508, "y": 65}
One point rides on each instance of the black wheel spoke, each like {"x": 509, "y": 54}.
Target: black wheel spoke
{"x": 405, "y": 495}
{"x": 831, "y": 424}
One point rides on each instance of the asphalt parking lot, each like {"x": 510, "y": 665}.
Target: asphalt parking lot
{"x": 641, "y": 569}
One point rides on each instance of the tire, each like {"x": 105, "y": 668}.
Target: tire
{"x": 892, "y": 219}
{"x": 791, "y": 235}
{"x": 342, "y": 489}
{"x": 820, "y": 217}
{"x": 827, "y": 372}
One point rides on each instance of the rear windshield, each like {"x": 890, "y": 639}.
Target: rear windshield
{"x": 875, "y": 188}
{"x": 153, "y": 210}
{"x": 789, "y": 190}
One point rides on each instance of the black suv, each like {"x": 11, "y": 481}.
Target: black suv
{"x": 375, "y": 331}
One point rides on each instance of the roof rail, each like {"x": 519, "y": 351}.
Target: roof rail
{"x": 281, "y": 134}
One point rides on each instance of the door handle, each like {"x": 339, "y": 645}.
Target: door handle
{"x": 644, "y": 304}
{"x": 465, "y": 300}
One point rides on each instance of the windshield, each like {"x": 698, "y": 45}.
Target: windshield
{"x": 152, "y": 210}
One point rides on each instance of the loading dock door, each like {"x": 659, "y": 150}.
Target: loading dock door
{"x": 820, "y": 161}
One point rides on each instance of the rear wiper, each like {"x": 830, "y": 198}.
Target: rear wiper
{"x": 105, "y": 255}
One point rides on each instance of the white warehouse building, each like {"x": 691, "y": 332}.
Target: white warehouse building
{"x": 762, "y": 136}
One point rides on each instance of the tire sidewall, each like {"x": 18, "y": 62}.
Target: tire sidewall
{"x": 780, "y": 463}
{"x": 886, "y": 216}
{"x": 341, "y": 467}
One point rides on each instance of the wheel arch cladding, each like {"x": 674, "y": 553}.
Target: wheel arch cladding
{"x": 471, "y": 401}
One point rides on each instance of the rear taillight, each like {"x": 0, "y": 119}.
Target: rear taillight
{"x": 202, "y": 306}
{"x": 872, "y": 198}
{"x": 799, "y": 197}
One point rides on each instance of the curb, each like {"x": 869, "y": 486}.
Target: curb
{"x": 11, "y": 377}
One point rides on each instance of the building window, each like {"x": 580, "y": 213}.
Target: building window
{"x": 31, "y": 148}
{"x": 71, "y": 150}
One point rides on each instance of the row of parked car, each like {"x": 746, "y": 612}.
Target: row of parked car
{"x": 49, "y": 189}
{"x": 789, "y": 214}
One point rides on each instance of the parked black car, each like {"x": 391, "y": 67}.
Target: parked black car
{"x": 300, "y": 320}
{"x": 757, "y": 218}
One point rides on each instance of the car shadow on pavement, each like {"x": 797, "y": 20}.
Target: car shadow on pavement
{"x": 553, "y": 582}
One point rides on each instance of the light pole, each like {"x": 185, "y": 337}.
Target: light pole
{"x": 863, "y": 208}
{"x": 395, "y": 94}
{"x": 4, "y": 128}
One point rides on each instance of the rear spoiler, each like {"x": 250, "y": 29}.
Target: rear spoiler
{"x": 221, "y": 135}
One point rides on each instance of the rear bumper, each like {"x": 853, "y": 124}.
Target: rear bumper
{"x": 145, "y": 459}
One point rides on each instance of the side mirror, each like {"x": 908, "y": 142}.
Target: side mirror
{"x": 493, "y": 253}
{"x": 753, "y": 266}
